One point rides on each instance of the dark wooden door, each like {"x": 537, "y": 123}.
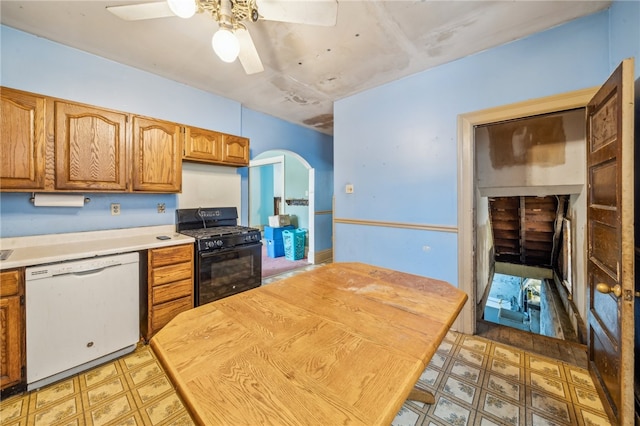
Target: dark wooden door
{"x": 610, "y": 242}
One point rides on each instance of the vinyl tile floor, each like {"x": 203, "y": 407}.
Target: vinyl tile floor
{"x": 475, "y": 381}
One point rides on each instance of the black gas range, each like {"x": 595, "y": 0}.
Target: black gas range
{"x": 228, "y": 257}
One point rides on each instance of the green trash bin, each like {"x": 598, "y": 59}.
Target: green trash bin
{"x": 294, "y": 241}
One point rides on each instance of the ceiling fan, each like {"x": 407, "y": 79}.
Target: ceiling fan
{"x": 232, "y": 39}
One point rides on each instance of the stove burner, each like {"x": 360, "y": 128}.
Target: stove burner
{"x": 215, "y": 228}
{"x": 217, "y": 231}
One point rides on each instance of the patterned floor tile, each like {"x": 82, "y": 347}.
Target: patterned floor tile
{"x": 470, "y": 357}
{"x": 505, "y": 353}
{"x": 484, "y": 420}
{"x": 141, "y": 356}
{"x": 537, "y": 419}
{"x": 586, "y": 397}
{"x": 152, "y": 390}
{"x": 431, "y": 377}
{"x": 465, "y": 371}
{"x": 500, "y": 408}
{"x": 476, "y": 344}
{"x": 99, "y": 374}
{"x": 445, "y": 347}
{"x": 406, "y": 417}
{"x": 548, "y": 384}
{"x": 545, "y": 366}
{"x": 14, "y": 408}
{"x": 162, "y": 409}
{"x": 104, "y": 391}
{"x": 123, "y": 406}
{"x": 453, "y": 336}
{"x": 506, "y": 369}
{"x": 552, "y": 407}
{"x": 182, "y": 418}
{"x": 146, "y": 372}
{"x": 579, "y": 377}
{"x": 447, "y": 410}
{"x": 54, "y": 393}
{"x": 438, "y": 361}
{"x": 460, "y": 390}
{"x": 61, "y": 411}
{"x": 505, "y": 388}
{"x": 588, "y": 418}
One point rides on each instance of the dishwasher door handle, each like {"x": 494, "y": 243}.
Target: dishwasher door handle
{"x": 88, "y": 271}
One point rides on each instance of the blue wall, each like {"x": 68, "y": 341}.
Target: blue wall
{"x": 315, "y": 147}
{"x": 397, "y": 143}
{"x": 37, "y": 65}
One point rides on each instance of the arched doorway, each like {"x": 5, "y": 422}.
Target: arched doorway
{"x": 282, "y": 180}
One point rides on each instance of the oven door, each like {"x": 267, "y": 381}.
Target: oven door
{"x": 226, "y": 272}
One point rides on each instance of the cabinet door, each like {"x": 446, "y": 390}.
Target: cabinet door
{"x": 90, "y": 148}
{"x": 235, "y": 150}
{"x": 22, "y": 136}
{"x": 157, "y": 155}
{"x": 11, "y": 328}
{"x": 202, "y": 145}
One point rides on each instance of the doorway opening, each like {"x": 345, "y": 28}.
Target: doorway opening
{"x": 470, "y": 203}
{"x": 525, "y": 169}
{"x": 527, "y": 243}
{"x": 281, "y": 183}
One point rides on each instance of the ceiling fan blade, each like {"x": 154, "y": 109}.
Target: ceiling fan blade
{"x": 137, "y": 12}
{"x": 312, "y": 12}
{"x": 248, "y": 55}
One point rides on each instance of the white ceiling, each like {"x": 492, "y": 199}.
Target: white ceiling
{"x": 307, "y": 68}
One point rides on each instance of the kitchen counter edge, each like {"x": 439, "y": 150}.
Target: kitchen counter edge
{"x": 45, "y": 249}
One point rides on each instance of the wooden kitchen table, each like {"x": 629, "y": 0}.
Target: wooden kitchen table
{"x": 340, "y": 344}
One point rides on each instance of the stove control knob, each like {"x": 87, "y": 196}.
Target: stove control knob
{"x": 219, "y": 243}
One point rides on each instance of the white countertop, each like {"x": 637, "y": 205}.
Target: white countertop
{"x": 41, "y": 249}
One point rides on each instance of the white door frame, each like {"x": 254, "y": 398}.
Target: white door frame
{"x": 271, "y": 161}
{"x": 466, "y": 322}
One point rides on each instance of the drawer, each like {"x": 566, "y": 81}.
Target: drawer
{"x": 169, "y": 255}
{"x": 171, "y": 291}
{"x": 10, "y": 282}
{"x": 165, "y": 312}
{"x": 167, "y": 274}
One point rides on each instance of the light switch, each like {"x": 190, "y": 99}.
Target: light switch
{"x": 348, "y": 188}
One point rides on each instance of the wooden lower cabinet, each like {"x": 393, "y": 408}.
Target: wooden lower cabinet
{"x": 169, "y": 286}
{"x": 12, "y": 329}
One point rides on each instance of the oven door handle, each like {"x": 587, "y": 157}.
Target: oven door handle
{"x": 206, "y": 254}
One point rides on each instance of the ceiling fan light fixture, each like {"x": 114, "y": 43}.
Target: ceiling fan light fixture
{"x": 183, "y": 8}
{"x": 226, "y": 45}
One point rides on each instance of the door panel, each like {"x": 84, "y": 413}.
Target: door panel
{"x": 610, "y": 242}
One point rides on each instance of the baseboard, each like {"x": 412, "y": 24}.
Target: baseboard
{"x": 323, "y": 256}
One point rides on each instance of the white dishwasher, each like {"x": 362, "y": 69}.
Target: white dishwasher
{"x": 80, "y": 314}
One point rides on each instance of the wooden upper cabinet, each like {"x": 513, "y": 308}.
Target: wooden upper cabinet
{"x": 22, "y": 140}
{"x": 157, "y": 155}
{"x": 90, "y": 148}
{"x": 208, "y": 146}
{"x": 235, "y": 150}
{"x": 202, "y": 145}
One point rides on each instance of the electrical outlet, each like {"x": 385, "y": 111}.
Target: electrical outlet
{"x": 115, "y": 209}
{"x": 161, "y": 208}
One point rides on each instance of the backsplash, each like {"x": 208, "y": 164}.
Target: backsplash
{"x": 21, "y": 218}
